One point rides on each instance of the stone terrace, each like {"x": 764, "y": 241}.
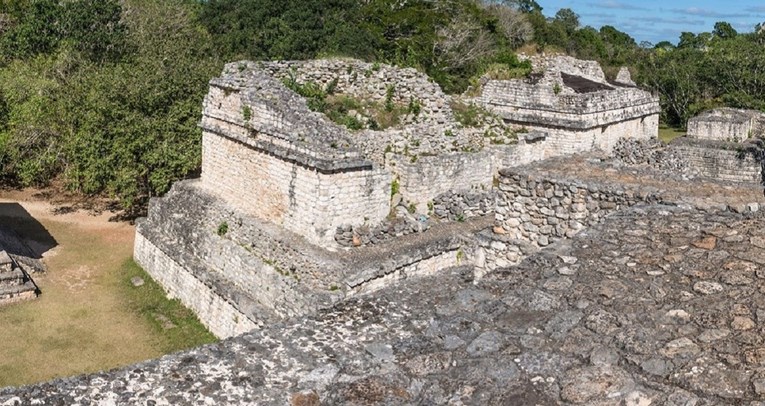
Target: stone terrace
{"x": 587, "y": 169}
{"x": 658, "y": 305}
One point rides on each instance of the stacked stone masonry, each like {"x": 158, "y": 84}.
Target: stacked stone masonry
{"x": 727, "y": 124}
{"x": 698, "y": 158}
{"x": 422, "y": 134}
{"x": 574, "y": 104}
{"x": 657, "y": 305}
{"x": 15, "y": 284}
{"x": 543, "y": 211}
{"x": 238, "y": 272}
{"x": 268, "y": 155}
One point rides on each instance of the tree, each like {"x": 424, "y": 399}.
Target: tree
{"x": 514, "y": 25}
{"x": 724, "y": 30}
{"x": 524, "y": 6}
{"x": 568, "y": 19}
{"x": 94, "y": 28}
{"x": 463, "y": 42}
{"x": 665, "y": 45}
{"x": 36, "y": 30}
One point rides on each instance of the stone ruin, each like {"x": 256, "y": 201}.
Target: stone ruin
{"x": 15, "y": 283}
{"x": 573, "y": 103}
{"x": 722, "y": 144}
{"x": 597, "y": 278}
{"x": 285, "y": 191}
{"x": 727, "y": 124}
{"x": 17, "y": 264}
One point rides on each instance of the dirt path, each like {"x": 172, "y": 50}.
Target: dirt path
{"x": 80, "y": 322}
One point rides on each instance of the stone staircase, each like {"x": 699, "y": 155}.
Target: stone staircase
{"x": 15, "y": 283}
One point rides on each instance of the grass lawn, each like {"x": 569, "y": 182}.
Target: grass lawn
{"x": 667, "y": 134}
{"x": 89, "y": 317}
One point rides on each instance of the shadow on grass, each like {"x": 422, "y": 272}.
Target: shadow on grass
{"x": 21, "y": 234}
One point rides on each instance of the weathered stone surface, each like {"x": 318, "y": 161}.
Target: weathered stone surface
{"x": 502, "y": 340}
{"x": 727, "y": 124}
{"x": 572, "y": 102}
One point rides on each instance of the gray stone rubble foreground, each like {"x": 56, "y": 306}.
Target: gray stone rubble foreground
{"x": 657, "y": 305}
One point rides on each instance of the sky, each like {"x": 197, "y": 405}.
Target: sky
{"x": 659, "y": 20}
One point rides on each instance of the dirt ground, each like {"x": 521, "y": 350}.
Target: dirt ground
{"x": 80, "y": 323}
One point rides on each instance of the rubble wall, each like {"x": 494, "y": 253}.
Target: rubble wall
{"x": 543, "y": 211}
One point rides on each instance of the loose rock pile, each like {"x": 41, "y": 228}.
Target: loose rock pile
{"x": 404, "y": 220}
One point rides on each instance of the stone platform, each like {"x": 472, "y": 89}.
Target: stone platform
{"x": 238, "y": 273}
{"x": 657, "y": 305}
{"x": 15, "y": 283}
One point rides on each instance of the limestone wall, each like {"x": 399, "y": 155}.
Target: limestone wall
{"x": 727, "y": 124}
{"x": 573, "y": 103}
{"x": 720, "y": 163}
{"x": 220, "y": 316}
{"x": 563, "y": 63}
{"x": 236, "y": 271}
{"x": 420, "y": 134}
{"x": 369, "y": 81}
{"x": 300, "y": 199}
{"x": 267, "y": 154}
{"x": 562, "y": 141}
{"x": 430, "y": 176}
{"x": 694, "y": 158}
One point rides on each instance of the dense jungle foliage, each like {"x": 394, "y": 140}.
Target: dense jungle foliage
{"x": 103, "y": 96}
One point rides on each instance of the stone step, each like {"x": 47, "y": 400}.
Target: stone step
{"x": 6, "y": 263}
{"x": 12, "y": 278}
{"x": 18, "y": 293}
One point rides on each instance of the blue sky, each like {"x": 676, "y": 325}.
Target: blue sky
{"x": 657, "y": 20}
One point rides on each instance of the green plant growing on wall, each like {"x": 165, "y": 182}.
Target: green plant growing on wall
{"x": 246, "y": 113}
{"x": 389, "y": 92}
{"x": 394, "y": 187}
{"x": 412, "y": 208}
{"x": 414, "y": 107}
{"x": 222, "y": 229}
{"x": 556, "y": 88}
{"x": 331, "y": 87}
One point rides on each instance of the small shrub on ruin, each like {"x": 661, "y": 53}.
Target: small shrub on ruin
{"x": 373, "y": 125}
{"x": 394, "y": 187}
{"x": 556, "y": 88}
{"x": 414, "y": 107}
{"x": 389, "y": 92}
{"x": 412, "y": 208}
{"x": 222, "y": 229}
{"x": 331, "y": 87}
{"x": 468, "y": 114}
{"x": 246, "y": 113}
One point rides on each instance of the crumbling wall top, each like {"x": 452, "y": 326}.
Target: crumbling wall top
{"x": 567, "y": 85}
{"x": 247, "y": 104}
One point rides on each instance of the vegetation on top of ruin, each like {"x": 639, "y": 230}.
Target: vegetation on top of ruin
{"x": 352, "y": 112}
{"x": 105, "y": 95}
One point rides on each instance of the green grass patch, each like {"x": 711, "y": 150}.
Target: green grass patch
{"x": 469, "y": 114}
{"x": 667, "y": 134}
{"x": 176, "y": 327}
